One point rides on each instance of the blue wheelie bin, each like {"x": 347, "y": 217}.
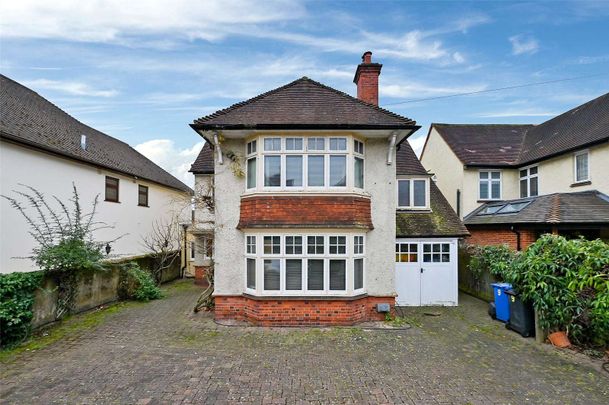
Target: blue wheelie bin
{"x": 502, "y": 304}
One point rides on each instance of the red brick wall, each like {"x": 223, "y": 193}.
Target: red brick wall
{"x": 276, "y": 312}
{"x": 305, "y": 210}
{"x": 500, "y": 236}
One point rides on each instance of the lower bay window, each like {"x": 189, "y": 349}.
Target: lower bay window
{"x": 314, "y": 265}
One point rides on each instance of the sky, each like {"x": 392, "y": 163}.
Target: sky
{"x": 142, "y": 70}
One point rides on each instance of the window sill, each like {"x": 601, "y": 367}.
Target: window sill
{"x": 581, "y": 183}
{"x": 306, "y": 297}
{"x": 489, "y": 200}
{"x": 143, "y": 206}
{"x": 112, "y": 201}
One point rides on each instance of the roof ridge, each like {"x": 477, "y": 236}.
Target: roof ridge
{"x": 554, "y": 213}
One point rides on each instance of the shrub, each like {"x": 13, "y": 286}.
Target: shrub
{"x": 138, "y": 284}
{"x": 16, "y": 302}
{"x": 496, "y": 260}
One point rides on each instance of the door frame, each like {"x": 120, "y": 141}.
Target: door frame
{"x": 454, "y": 242}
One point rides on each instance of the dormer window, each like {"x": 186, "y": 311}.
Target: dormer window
{"x": 413, "y": 193}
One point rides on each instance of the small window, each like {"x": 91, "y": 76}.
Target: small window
{"x": 338, "y": 144}
{"x": 192, "y": 250}
{"x": 358, "y": 147}
{"x": 358, "y": 245}
{"x": 251, "y": 147}
{"x": 358, "y": 274}
{"x": 490, "y": 185}
{"x": 293, "y": 144}
{"x": 316, "y": 144}
{"x": 293, "y": 245}
{"x": 412, "y": 193}
{"x": 142, "y": 196}
{"x": 582, "y": 172}
{"x": 251, "y": 172}
{"x": 272, "y": 144}
{"x": 250, "y": 245}
{"x": 112, "y": 189}
{"x": 272, "y": 245}
{"x": 406, "y": 252}
{"x": 529, "y": 186}
{"x": 358, "y": 172}
{"x": 251, "y": 274}
{"x": 315, "y": 245}
{"x": 338, "y": 245}
{"x": 436, "y": 252}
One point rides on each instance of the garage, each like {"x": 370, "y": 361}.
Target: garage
{"x": 426, "y": 271}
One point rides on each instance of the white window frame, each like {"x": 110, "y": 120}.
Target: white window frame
{"x": 411, "y": 194}
{"x": 490, "y": 184}
{"x": 193, "y": 250}
{"x": 349, "y": 257}
{"x": 528, "y": 178}
{"x": 575, "y": 155}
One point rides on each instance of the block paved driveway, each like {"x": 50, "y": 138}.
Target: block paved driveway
{"x": 161, "y": 353}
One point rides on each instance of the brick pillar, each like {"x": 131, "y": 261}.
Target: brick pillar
{"x": 200, "y": 272}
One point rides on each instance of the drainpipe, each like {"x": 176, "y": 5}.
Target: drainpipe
{"x": 217, "y": 145}
{"x": 517, "y": 237}
{"x": 392, "y": 141}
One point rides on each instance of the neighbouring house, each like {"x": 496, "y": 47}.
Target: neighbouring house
{"x": 512, "y": 183}
{"x": 43, "y": 147}
{"x": 321, "y": 212}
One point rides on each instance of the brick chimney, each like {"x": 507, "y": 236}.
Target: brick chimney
{"x": 367, "y": 79}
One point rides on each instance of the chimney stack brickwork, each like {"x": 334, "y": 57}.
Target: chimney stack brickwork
{"x": 367, "y": 79}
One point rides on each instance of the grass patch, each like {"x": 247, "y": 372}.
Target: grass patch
{"x": 67, "y": 327}
{"x": 181, "y": 285}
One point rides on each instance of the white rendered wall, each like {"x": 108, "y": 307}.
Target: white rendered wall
{"x": 54, "y": 176}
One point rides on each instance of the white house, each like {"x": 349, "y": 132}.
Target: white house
{"x": 43, "y": 147}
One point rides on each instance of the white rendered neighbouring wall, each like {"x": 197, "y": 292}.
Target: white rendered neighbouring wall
{"x": 54, "y": 175}
{"x": 379, "y": 178}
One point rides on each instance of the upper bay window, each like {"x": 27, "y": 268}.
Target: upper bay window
{"x": 305, "y": 264}
{"x": 413, "y": 193}
{"x": 489, "y": 185}
{"x": 305, "y": 163}
{"x": 529, "y": 182}
{"x": 582, "y": 169}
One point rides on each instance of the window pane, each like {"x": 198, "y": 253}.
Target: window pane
{"x": 251, "y": 173}
{"x": 523, "y": 173}
{"x": 142, "y": 196}
{"x": 316, "y": 144}
{"x": 496, "y": 190}
{"x": 315, "y": 245}
{"x": 293, "y": 171}
{"x": 338, "y": 144}
{"x": 358, "y": 173}
{"x": 358, "y": 274}
{"x": 483, "y": 175}
{"x": 111, "y": 189}
{"x": 293, "y": 274}
{"x": 338, "y": 171}
{"x": 272, "y": 171}
{"x": 338, "y": 274}
{"x": 293, "y": 144}
{"x": 251, "y": 147}
{"x": 581, "y": 167}
{"x": 316, "y": 171}
{"x": 293, "y": 245}
{"x": 533, "y": 170}
{"x": 495, "y": 175}
{"x": 484, "y": 190}
{"x": 272, "y": 144}
{"x": 523, "y": 188}
{"x": 251, "y": 245}
{"x": 427, "y": 257}
{"x": 272, "y": 274}
{"x": 315, "y": 274}
{"x": 251, "y": 273}
{"x": 533, "y": 185}
{"x": 404, "y": 193}
{"x": 272, "y": 245}
{"x": 419, "y": 193}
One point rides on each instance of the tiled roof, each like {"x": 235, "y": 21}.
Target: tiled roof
{"x": 519, "y": 145}
{"x": 484, "y": 144}
{"x": 407, "y": 162}
{"x": 30, "y": 119}
{"x": 303, "y": 103}
{"x": 204, "y": 164}
{"x": 558, "y": 208}
{"x": 441, "y": 221}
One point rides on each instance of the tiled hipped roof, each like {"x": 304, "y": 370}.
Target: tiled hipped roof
{"x": 204, "y": 164}
{"x": 591, "y": 207}
{"x": 519, "y": 145}
{"x": 303, "y": 103}
{"x": 28, "y": 118}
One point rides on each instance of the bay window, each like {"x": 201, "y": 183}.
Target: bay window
{"x": 305, "y": 264}
{"x": 529, "y": 186}
{"x": 489, "y": 185}
{"x": 302, "y": 163}
{"x": 413, "y": 193}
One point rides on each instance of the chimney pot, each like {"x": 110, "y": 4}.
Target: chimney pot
{"x": 367, "y": 79}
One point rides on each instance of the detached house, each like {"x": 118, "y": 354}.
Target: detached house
{"x": 43, "y": 147}
{"x": 512, "y": 183}
{"x": 321, "y": 211}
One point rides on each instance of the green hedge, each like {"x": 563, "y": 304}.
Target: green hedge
{"x": 16, "y": 302}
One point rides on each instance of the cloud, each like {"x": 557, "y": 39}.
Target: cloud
{"x": 166, "y": 154}
{"x": 417, "y": 142}
{"x": 522, "y": 44}
{"x": 117, "y": 21}
{"x": 70, "y": 87}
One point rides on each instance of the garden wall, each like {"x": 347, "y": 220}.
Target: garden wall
{"x": 94, "y": 288}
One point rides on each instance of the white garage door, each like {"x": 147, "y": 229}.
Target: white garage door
{"x": 426, "y": 272}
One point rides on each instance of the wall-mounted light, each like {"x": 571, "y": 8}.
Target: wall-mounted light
{"x": 108, "y": 248}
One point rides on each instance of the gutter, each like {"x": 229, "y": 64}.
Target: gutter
{"x": 518, "y": 247}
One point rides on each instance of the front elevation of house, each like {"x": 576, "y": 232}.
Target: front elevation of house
{"x": 308, "y": 185}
